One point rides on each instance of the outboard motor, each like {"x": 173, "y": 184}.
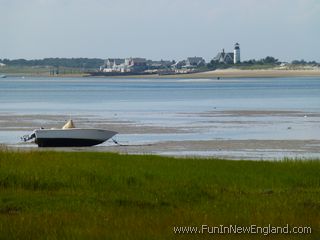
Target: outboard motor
{"x": 26, "y": 138}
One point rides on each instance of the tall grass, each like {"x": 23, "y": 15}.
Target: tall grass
{"x": 79, "y": 195}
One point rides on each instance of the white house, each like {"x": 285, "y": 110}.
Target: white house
{"x": 230, "y": 57}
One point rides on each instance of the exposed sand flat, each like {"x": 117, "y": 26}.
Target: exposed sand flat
{"x": 237, "y": 73}
{"x": 311, "y": 146}
{"x": 13, "y": 122}
{"x": 233, "y": 149}
{"x": 256, "y": 73}
{"x": 253, "y": 113}
{"x": 28, "y": 122}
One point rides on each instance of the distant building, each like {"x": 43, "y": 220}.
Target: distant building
{"x": 189, "y": 63}
{"x": 141, "y": 62}
{"x": 236, "y": 53}
{"x": 2, "y": 65}
{"x": 229, "y": 58}
{"x": 223, "y": 57}
{"x": 113, "y": 65}
{"x": 124, "y": 65}
{"x": 113, "y": 62}
{"x": 195, "y": 62}
{"x": 136, "y": 64}
{"x": 179, "y": 64}
{"x": 159, "y": 64}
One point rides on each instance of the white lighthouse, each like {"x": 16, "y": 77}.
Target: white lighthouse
{"x": 236, "y": 53}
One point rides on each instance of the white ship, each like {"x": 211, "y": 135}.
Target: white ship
{"x": 69, "y": 136}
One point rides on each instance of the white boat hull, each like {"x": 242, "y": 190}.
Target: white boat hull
{"x": 73, "y": 137}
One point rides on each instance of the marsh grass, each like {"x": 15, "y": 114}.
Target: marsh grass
{"x": 79, "y": 195}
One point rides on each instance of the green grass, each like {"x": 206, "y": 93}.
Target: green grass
{"x": 79, "y": 195}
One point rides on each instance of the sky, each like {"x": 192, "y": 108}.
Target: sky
{"x": 162, "y": 29}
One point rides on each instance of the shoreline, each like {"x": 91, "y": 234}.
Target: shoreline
{"x": 266, "y": 150}
{"x": 220, "y": 73}
{"x": 269, "y": 73}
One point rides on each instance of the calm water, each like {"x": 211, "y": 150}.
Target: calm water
{"x": 105, "y": 96}
{"x": 164, "y": 102}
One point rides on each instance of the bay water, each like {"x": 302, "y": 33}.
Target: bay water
{"x": 201, "y": 105}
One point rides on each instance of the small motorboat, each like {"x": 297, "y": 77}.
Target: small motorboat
{"x": 69, "y": 136}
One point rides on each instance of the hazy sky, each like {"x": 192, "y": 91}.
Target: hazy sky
{"x": 162, "y": 29}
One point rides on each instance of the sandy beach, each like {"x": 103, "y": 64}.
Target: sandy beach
{"x": 221, "y": 73}
{"x": 235, "y": 73}
{"x": 229, "y": 73}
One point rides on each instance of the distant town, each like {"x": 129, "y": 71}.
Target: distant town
{"x": 142, "y": 65}
{"x": 138, "y": 65}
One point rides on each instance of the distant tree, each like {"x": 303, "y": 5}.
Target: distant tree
{"x": 299, "y": 62}
{"x": 57, "y": 62}
{"x": 269, "y": 60}
{"x": 213, "y": 64}
{"x": 249, "y": 62}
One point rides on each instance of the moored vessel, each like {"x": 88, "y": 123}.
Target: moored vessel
{"x": 69, "y": 136}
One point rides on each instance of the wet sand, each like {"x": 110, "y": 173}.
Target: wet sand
{"x": 221, "y": 148}
{"x": 224, "y": 148}
{"x": 9, "y": 122}
{"x": 28, "y": 122}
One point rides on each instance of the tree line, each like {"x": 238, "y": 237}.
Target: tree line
{"x": 84, "y": 63}
{"x": 264, "y": 61}
{"x": 94, "y": 63}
